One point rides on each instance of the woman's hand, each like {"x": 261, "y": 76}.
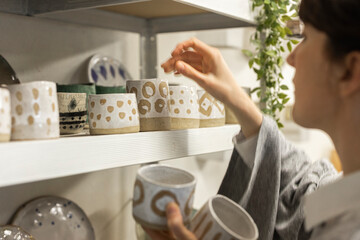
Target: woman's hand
{"x": 206, "y": 66}
{"x": 177, "y": 230}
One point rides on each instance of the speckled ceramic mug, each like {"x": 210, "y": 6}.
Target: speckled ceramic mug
{"x": 212, "y": 111}
{"x": 222, "y": 219}
{"x": 156, "y": 186}
{"x": 153, "y": 103}
{"x": 184, "y": 107}
{"x": 73, "y": 112}
{"x": 5, "y": 115}
{"x": 34, "y": 109}
{"x": 113, "y": 113}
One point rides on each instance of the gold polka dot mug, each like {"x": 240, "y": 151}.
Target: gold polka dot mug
{"x": 5, "y": 115}
{"x": 34, "y": 110}
{"x": 184, "y": 107}
{"x": 153, "y": 103}
{"x": 113, "y": 113}
{"x": 73, "y": 112}
{"x": 156, "y": 186}
{"x": 212, "y": 111}
{"x": 221, "y": 218}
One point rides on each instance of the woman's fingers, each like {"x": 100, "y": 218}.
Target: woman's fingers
{"x": 195, "y": 44}
{"x": 189, "y": 57}
{"x": 175, "y": 223}
{"x": 190, "y": 72}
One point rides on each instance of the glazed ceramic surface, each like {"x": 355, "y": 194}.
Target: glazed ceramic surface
{"x": 54, "y": 218}
{"x": 73, "y": 112}
{"x": 212, "y": 111}
{"x": 184, "y": 107}
{"x": 153, "y": 103}
{"x": 5, "y": 115}
{"x": 35, "y": 112}
{"x": 10, "y": 232}
{"x": 107, "y": 71}
{"x": 222, "y": 219}
{"x": 113, "y": 113}
{"x": 156, "y": 186}
{"x": 107, "y": 90}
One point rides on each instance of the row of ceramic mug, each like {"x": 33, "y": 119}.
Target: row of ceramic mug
{"x": 219, "y": 218}
{"x": 34, "y": 110}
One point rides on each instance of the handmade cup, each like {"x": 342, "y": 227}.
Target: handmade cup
{"x": 35, "y": 112}
{"x": 155, "y": 187}
{"x": 212, "y": 111}
{"x": 221, "y": 218}
{"x": 184, "y": 107}
{"x": 113, "y": 113}
{"x": 5, "y": 115}
{"x": 73, "y": 112}
{"x": 153, "y": 103}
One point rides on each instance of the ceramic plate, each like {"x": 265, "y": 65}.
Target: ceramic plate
{"x": 54, "y": 218}
{"x": 10, "y": 232}
{"x": 107, "y": 71}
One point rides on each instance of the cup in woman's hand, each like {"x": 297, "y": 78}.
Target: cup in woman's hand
{"x": 155, "y": 187}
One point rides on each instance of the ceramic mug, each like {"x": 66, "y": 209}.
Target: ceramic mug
{"x": 34, "y": 109}
{"x": 113, "y": 113}
{"x": 184, "y": 107}
{"x": 153, "y": 103}
{"x": 212, "y": 111}
{"x": 221, "y": 218}
{"x": 73, "y": 112}
{"x": 5, "y": 115}
{"x": 156, "y": 186}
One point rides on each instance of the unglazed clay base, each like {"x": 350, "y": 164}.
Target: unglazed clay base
{"x": 184, "y": 123}
{"x": 155, "y": 124}
{"x": 133, "y": 129}
{"x": 35, "y": 132}
{"x": 4, "y": 137}
{"x": 212, "y": 122}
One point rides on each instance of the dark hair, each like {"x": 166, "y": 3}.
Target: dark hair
{"x": 339, "y": 19}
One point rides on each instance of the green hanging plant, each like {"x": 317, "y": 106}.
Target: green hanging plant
{"x": 270, "y": 37}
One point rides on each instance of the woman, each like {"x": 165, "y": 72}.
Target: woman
{"x": 266, "y": 174}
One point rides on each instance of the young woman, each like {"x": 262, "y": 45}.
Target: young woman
{"x": 266, "y": 174}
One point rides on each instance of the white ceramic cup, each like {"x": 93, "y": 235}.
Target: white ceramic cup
{"x": 222, "y": 219}
{"x": 5, "y": 115}
{"x": 113, "y": 113}
{"x": 73, "y": 112}
{"x": 155, "y": 187}
{"x": 184, "y": 107}
{"x": 212, "y": 111}
{"x": 34, "y": 109}
{"x": 153, "y": 103}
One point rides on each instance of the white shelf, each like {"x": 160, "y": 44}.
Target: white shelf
{"x": 23, "y": 162}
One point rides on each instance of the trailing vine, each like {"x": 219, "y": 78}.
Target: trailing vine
{"x": 270, "y": 39}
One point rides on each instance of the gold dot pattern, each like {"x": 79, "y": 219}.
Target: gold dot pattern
{"x": 53, "y": 107}
{"x": 122, "y": 115}
{"x": 18, "y": 96}
{"x": 144, "y": 106}
{"x": 130, "y": 118}
{"x": 144, "y": 89}
{"x": 2, "y": 111}
{"x": 30, "y": 120}
{"x": 98, "y": 116}
{"x": 110, "y": 109}
{"x": 6, "y": 99}
{"x": 19, "y": 110}
{"x": 36, "y": 108}
{"x": 108, "y": 119}
{"x": 50, "y": 92}
{"x": 182, "y": 91}
{"x": 92, "y": 104}
{"x": 181, "y": 101}
{"x": 171, "y": 92}
{"x": 94, "y": 124}
{"x": 48, "y": 121}
{"x": 119, "y": 103}
{"x": 188, "y": 111}
{"x": 13, "y": 121}
{"x": 102, "y": 101}
{"x": 133, "y": 111}
{"x": 164, "y": 89}
{"x": 35, "y": 92}
{"x": 172, "y": 101}
{"x": 129, "y": 102}
{"x": 91, "y": 115}
{"x": 159, "y": 105}
{"x": 177, "y": 111}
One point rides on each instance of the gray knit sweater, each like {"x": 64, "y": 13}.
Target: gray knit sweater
{"x": 271, "y": 188}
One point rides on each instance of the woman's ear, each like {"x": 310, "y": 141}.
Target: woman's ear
{"x": 350, "y": 82}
